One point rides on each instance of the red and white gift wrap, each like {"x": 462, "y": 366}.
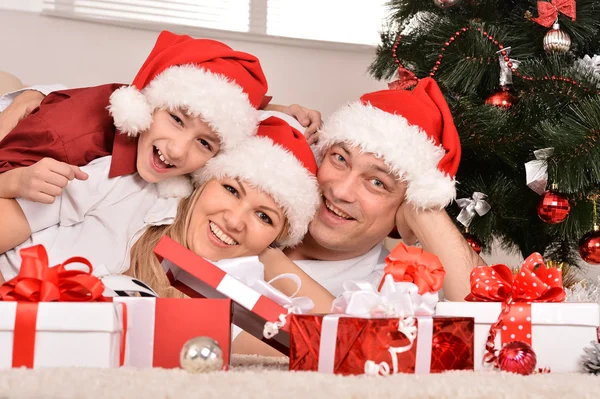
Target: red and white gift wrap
{"x": 65, "y": 335}
{"x": 159, "y": 327}
{"x": 371, "y": 323}
{"x": 520, "y": 308}
{"x": 258, "y": 308}
{"x": 55, "y": 317}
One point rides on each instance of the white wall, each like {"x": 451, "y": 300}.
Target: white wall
{"x": 40, "y": 49}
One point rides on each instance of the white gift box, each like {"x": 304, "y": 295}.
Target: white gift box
{"x": 560, "y": 331}
{"x": 68, "y": 334}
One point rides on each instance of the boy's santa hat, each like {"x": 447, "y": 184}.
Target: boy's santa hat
{"x": 278, "y": 161}
{"x": 205, "y": 77}
{"x": 412, "y": 131}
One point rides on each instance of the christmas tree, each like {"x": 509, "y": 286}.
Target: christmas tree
{"x": 520, "y": 76}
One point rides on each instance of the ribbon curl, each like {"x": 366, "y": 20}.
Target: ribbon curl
{"x": 472, "y": 206}
{"x": 414, "y": 265}
{"x": 406, "y": 80}
{"x": 548, "y": 11}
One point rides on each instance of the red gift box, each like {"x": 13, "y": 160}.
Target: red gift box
{"x": 159, "y": 327}
{"x": 199, "y": 278}
{"x": 442, "y": 343}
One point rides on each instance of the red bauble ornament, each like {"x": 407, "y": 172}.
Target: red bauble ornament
{"x": 553, "y": 207}
{"x": 517, "y": 357}
{"x": 502, "y": 99}
{"x": 589, "y": 247}
{"x": 473, "y": 241}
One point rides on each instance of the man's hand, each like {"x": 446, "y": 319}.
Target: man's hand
{"x": 22, "y": 106}
{"x": 46, "y": 179}
{"x": 309, "y": 118}
{"x": 403, "y": 217}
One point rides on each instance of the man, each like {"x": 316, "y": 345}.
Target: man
{"x": 388, "y": 159}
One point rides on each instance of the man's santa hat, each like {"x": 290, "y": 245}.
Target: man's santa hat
{"x": 205, "y": 77}
{"x": 278, "y": 161}
{"x": 412, "y": 131}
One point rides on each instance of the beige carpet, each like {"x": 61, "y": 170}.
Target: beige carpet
{"x": 255, "y": 377}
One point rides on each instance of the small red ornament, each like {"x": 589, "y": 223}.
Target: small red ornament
{"x": 517, "y": 357}
{"x": 473, "y": 241}
{"x": 589, "y": 247}
{"x": 502, "y": 99}
{"x": 553, "y": 207}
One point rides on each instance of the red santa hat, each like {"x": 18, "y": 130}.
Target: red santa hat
{"x": 412, "y": 131}
{"x": 278, "y": 161}
{"x": 205, "y": 77}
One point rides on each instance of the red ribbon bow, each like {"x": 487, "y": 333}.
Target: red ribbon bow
{"x": 516, "y": 292}
{"x": 497, "y": 283}
{"x": 548, "y": 11}
{"x": 414, "y": 265}
{"x": 37, "y": 282}
{"x": 406, "y": 80}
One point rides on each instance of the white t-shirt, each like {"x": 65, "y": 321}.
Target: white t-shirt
{"x": 332, "y": 274}
{"x": 98, "y": 218}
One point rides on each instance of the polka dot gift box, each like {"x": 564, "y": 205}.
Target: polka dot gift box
{"x": 526, "y": 307}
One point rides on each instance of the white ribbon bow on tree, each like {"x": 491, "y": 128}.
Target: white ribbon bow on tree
{"x": 472, "y": 206}
{"x": 396, "y": 299}
{"x": 536, "y": 172}
{"x": 505, "y": 70}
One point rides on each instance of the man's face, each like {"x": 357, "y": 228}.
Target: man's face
{"x": 359, "y": 203}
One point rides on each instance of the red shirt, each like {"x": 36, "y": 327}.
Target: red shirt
{"x": 71, "y": 126}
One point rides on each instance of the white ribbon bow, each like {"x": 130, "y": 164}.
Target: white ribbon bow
{"x": 395, "y": 299}
{"x": 251, "y": 271}
{"x": 536, "y": 172}
{"x": 505, "y": 70}
{"x": 472, "y": 206}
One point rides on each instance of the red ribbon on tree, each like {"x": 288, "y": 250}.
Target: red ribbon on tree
{"x": 406, "y": 80}
{"x": 533, "y": 283}
{"x": 37, "y": 282}
{"x": 414, "y": 265}
{"x": 548, "y": 11}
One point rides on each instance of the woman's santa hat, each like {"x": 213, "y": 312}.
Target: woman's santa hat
{"x": 412, "y": 131}
{"x": 278, "y": 161}
{"x": 205, "y": 77}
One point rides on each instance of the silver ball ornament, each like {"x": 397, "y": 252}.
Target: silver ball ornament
{"x": 446, "y": 3}
{"x": 201, "y": 355}
{"x": 557, "y": 40}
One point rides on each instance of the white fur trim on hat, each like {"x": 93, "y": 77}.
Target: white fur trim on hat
{"x": 175, "y": 187}
{"x": 405, "y": 148}
{"x": 277, "y": 172}
{"x": 219, "y": 101}
{"x": 130, "y": 111}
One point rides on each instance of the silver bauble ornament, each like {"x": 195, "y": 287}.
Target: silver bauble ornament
{"x": 201, "y": 355}
{"x": 557, "y": 40}
{"x": 446, "y": 3}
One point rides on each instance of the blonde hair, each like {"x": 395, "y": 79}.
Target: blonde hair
{"x": 145, "y": 266}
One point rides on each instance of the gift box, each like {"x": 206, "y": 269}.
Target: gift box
{"x": 157, "y": 328}
{"x": 48, "y": 318}
{"x": 523, "y": 307}
{"x": 64, "y": 335}
{"x": 559, "y": 331}
{"x": 353, "y": 345}
{"x": 258, "y": 308}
